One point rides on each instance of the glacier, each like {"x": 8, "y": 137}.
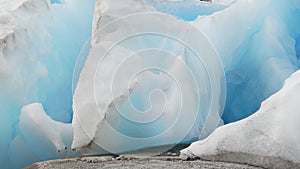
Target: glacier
{"x": 49, "y": 50}
{"x": 256, "y": 59}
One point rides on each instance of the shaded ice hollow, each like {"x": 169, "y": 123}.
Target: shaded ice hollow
{"x": 257, "y": 42}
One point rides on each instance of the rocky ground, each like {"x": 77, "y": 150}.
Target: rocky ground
{"x": 123, "y": 162}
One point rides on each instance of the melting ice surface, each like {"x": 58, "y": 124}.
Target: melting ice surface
{"x": 257, "y": 42}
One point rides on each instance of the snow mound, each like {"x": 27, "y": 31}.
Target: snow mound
{"x": 269, "y": 138}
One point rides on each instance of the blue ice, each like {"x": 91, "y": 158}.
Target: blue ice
{"x": 259, "y": 46}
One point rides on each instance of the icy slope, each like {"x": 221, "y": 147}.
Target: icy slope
{"x": 269, "y": 138}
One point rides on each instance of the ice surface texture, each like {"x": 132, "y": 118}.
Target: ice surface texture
{"x": 269, "y": 138}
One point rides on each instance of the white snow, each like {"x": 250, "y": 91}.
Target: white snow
{"x": 266, "y": 138}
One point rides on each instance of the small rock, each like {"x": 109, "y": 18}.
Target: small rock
{"x": 121, "y": 157}
{"x": 184, "y": 157}
{"x": 96, "y": 159}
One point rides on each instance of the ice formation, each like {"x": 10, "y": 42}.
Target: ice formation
{"x": 39, "y": 137}
{"x": 39, "y": 44}
{"x": 257, "y": 48}
{"x": 257, "y": 42}
{"x": 257, "y": 58}
{"x": 131, "y": 84}
{"x": 269, "y": 138}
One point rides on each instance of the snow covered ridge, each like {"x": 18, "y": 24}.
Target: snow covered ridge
{"x": 269, "y": 138}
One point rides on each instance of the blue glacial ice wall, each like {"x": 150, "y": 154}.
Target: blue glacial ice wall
{"x": 39, "y": 45}
{"x": 255, "y": 41}
{"x": 70, "y": 31}
{"x": 258, "y": 43}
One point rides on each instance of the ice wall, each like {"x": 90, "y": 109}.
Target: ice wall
{"x": 20, "y": 68}
{"x": 146, "y": 82}
{"x": 39, "y": 45}
{"x": 243, "y": 33}
{"x": 256, "y": 43}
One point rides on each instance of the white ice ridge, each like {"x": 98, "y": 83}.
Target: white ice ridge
{"x": 269, "y": 138}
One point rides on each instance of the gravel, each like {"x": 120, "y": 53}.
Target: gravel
{"x": 124, "y": 162}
